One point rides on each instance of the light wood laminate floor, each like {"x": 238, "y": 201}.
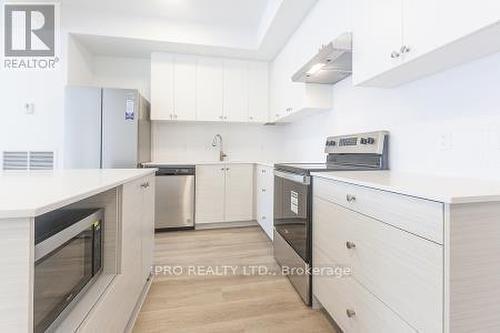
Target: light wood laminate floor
{"x": 240, "y": 302}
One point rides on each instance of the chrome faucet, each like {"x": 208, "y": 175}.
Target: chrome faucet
{"x": 218, "y": 139}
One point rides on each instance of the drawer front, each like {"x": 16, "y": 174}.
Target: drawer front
{"x": 418, "y": 216}
{"x": 401, "y": 269}
{"x": 340, "y": 295}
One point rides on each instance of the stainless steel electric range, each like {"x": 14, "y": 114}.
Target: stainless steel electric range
{"x": 293, "y": 199}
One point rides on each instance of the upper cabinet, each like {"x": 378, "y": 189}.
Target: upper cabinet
{"x": 235, "y": 91}
{"x": 397, "y": 41}
{"x": 184, "y": 84}
{"x": 194, "y": 88}
{"x": 209, "y": 89}
{"x": 257, "y": 83}
{"x": 290, "y": 100}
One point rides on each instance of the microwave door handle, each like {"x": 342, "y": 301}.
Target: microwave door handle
{"x": 301, "y": 179}
{"x": 50, "y": 244}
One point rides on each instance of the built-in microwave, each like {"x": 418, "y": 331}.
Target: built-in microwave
{"x": 68, "y": 259}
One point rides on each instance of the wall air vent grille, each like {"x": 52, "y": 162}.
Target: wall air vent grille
{"x": 41, "y": 160}
{"x": 15, "y": 160}
{"x": 24, "y": 160}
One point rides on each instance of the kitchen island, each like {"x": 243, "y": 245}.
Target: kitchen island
{"x": 127, "y": 199}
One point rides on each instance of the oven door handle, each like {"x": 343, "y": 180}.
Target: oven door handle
{"x": 301, "y": 179}
{"x": 50, "y": 244}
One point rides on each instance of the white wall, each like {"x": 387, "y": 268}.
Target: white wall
{"x": 87, "y": 69}
{"x": 127, "y": 73}
{"x": 189, "y": 142}
{"x": 445, "y": 124}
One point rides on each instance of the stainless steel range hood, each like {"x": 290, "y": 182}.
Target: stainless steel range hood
{"x": 332, "y": 64}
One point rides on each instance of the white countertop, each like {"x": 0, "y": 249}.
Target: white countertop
{"x": 442, "y": 189}
{"x": 159, "y": 163}
{"x": 29, "y": 194}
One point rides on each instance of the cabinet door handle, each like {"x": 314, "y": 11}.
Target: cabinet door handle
{"x": 145, "y": 185}
{"x": 175, "y": 116}
{"x": 263, "y": 171}
{"x": 263, "y": 190}
{"x": 225, "y": 117}
{"x": 251, "y": 118}
{"x": 350, "y": 198}
{"x": 350, "y": 245}
{"x": 263, "y": 217}
{"x": 277, "y": 115}
{"x": 350, "y": 313}
{"x": 222, "y": 169}
{"x": 395, "y": 54}
{"x": 220, "y": 117}
{"x": 405, "y": 49}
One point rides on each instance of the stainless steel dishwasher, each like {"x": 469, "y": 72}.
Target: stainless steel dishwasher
{"x": 175, "y": 191}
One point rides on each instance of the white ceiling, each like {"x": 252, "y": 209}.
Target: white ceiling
{"x": 230, "y": 13}
{"x": 251, "y": 29}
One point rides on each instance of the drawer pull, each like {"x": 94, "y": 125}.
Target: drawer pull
{"x": 350, "y": 198}
{"x": 350, "y": 313}
{"x": 350, "y": 245}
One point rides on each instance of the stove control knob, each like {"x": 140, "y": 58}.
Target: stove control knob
{"x": 370, "y": 141}
{"x": 363, "y": 141}
{"x": 332, "y": 143}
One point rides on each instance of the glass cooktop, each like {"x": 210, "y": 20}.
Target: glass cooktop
{"x": 306, "y": 168}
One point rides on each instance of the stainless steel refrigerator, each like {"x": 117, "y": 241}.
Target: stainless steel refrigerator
{"x": 106, "y": 128}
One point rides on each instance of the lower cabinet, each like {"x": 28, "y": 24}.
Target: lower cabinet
{"x": 115, "y": 308}
{"x": 264, "y": 189}
{"x": 393, "y": 277}
{"x": 224, "y": 193}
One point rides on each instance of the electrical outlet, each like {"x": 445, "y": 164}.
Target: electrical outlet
{"x": 445, "y": 142}
{"x": 29, "y": 108}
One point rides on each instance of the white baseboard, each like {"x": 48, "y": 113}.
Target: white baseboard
{"x": 222, "y": 225}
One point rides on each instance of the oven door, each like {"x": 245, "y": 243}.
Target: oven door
{"x": 64, "y": 265}
{"x": 292, "y": 211}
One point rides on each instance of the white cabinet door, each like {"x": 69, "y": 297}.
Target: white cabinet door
{"x": 185, "y": 87}
{"x": 162, "y": 86}
{"x": 235, "y": 91}
{"x": 377, "y": 33}
{"x": 210, "y": 193}
{"x": 462, "y": 18}
{"x": 148, "y": 226}
{"x": 239, "y": 192}
{"x": 264, "y": 197}
{"x": 423, "y": 26}
{"x": 258, "y": 91}
{"x": 209, "y": 89}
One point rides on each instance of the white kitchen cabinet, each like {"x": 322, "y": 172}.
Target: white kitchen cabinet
{"x": 264, "y": 198}
{"x": 173, "y": 80}
{"x": 148, "y": 226}
{"x": 184, "y": 85}
{"x": 162, "y": 86}
{"x": 397, "y": 41}
{"x": 377, "y": 37}
{"x": 114, "y": 309}
{"x": 224, "y": 193}
{"x": 239, "y": 192}
{"x": 210, "y": 193}
{"x": 209, "y": 89}
{"x": 258, "y": 91}
{"x": 294, "y": 100}
{"x": 235, "y": 91}
{"x": 194, "y": 88}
